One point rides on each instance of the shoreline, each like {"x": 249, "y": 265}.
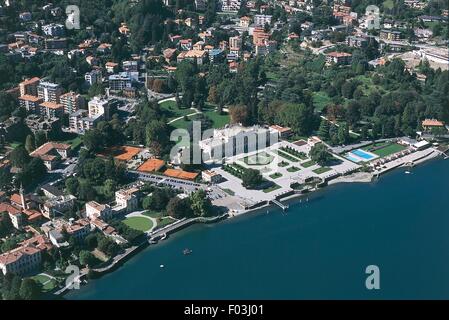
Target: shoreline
{"x": 294, "y": 198}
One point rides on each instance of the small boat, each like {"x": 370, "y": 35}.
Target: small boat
{"x": 161, "y": 266}
{"x": 186, "y": 251}
{"x": 407, "y": 172}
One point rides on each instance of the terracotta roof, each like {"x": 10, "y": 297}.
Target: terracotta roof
{"x": 14, "y": 255}
{"x": 47, "y": 147}
{"x": 30, "y": 81}
{"x": 51, "y": 105}
{"x": 6, "y": 207}
{"x": 30, "y": 98}
{"x": 339, "y": 54}
{"x": 432, "y": 123}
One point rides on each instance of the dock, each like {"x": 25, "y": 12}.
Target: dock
{"x": 284, "y": 207}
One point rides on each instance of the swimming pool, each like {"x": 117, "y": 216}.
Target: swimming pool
{"x": 363, "y": 154}
{"x": 360, "y": 155}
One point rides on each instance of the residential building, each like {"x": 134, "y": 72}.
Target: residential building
{"x": 48, "y": 91}
{"x": 94, "y": 210}
{"x": 199, "y": 56}
{"x": 390, "y": 35}
{"x": 211, "y": 176}
{"x": 185, "y": 44}
{"x": 429, "y": 124}
{"x": 51, "y": 152}
{"x": 244, "y": 22}
{"x": 50, "y": 109}
{"x": 99, "y": 106}
{"x": 235, "y": 43}
{"x": 29, "y": 86}
{"x": 262, "y": 19}
{"x": 80, "y": 121}
{"x": 200, "y": 5}
{"x": 30, "y": 103}
{"x": 14, "y": 212}
{"x": 57, "y": 206}
{"x": 72, "y": 102}
{"x": 55, "y": 43}
{"x": 229, "y": 5}
{"x": 21, "y": 261}
{"x": 340, "y": 58}
{"x": 126, "y": 199}
{"x": 93, "y": 77}
{"x": 120, "y": 81}
{"x": 53, "y": 30}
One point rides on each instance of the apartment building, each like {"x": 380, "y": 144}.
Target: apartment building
{"x": 30, "y": 103}
{"x": 48, "y": 91}
{"x": 51, "y": 152}
{"x": 29, "y": 86}
{"x": 262, "y": 19}
{"x": 72, "y": 102}
{"x": 93, "y": 77}
{"x": 49, "y": 109}
{"x": 99, "y": 106}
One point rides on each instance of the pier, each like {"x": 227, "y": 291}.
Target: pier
{"x": 280, "y": 204}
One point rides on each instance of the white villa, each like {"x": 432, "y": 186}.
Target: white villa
{"x": 234, "y": 140}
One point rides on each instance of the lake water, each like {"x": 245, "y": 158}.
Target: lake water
{"x": 318, "y": 250}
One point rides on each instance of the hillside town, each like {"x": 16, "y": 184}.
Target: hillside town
{"x": 99, "y": 124}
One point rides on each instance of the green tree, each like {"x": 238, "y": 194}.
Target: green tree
{"x": 29, "y": 143}
{"x": 251, "y": 178}
{"x": 343, "y": 134}
{"x": 200, "y": 203}
{"x": 29, "y": 289}
{"x": 323, "y": 131}
{"x": 86, "y": 258}
{"x": 178, "y": 208}
{"x": 320, "y": 154}
{"x": 19, "y": 157}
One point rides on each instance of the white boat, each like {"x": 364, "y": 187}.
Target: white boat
{"x": 161, "y": 266}
{"x": 407, "y": 172}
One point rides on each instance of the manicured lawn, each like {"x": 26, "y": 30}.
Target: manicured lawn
{"x": 138, "y": 223}
{"x": 172, "y": 111}
{"x": 322, "y": 170}
{"x": 293, "y": 169}
{"x": 218, "y": 120}
{"x": 47, "y": 283}
{"x": 287, "y": 156}
{"x": 283, "y": 164}
{"x": 308, "y": 164}
{"x": 388, "y": 150}
{"x": 275, "y": 175}
{"x": 271, "y": 189}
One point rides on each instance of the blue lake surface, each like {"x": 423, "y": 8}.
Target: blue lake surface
{"x": 318, "y": 250}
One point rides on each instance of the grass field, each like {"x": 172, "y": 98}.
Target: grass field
{"x": 308, "y": 164}
{"x": 384, "y": 149}
{"x": 164, "y": 222}
{"x": 275, "y": 175}
{"x": 171, "y": 110}
{"x": 47, "y": 283}
{"x": 293, "y": 169}
{"x": 138, "y": 223}
{"x": 322, "y": 170}
{"x": 271, "y": 189}
{"x": 287, "y": 156}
